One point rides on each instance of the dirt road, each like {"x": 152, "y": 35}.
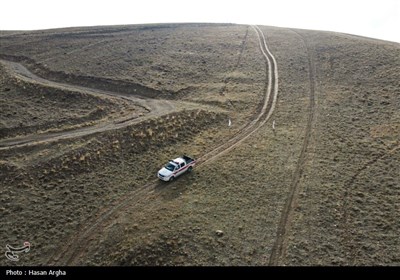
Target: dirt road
{"x": 266, "y": 111}
{"x": 76, "y": 246}
{"x": 278, "y": 250}
{"x": 145, "y": 108}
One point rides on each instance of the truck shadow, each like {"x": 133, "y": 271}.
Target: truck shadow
{"x": 172, "y": 190}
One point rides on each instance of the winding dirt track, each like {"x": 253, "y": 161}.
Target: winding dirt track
{"x": 72, "y": 251}
{"x": 266, "y": 111}
{"x": 279, "y": 248}
{"x": 145, "y": 108}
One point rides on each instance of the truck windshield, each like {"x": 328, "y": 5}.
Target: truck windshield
{"x": 170, "y": 166}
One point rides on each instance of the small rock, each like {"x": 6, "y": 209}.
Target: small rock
{"x": 219, "y": 233}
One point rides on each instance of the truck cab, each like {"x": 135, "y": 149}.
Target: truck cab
{"x": 175, "y": 168}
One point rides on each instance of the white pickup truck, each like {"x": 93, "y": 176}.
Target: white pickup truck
{"x": 175, "y": 168}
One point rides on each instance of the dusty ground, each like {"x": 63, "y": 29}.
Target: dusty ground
{"x": 323, "y": 188}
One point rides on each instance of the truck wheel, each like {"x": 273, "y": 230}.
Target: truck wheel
{"x": 190, "y": 169}
{"x": 171, "y": 179}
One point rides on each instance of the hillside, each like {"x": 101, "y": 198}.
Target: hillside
{"x": 307, "y": 174}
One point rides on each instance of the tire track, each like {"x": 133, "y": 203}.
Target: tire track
{"x": 147, "y": 108}
{"x": 279, "y": 248}
{"x": 227, "y": 79}
{"x": 79, "y": 243}
{"x": 265, "y": 112}
{"x": 347, "y": 237}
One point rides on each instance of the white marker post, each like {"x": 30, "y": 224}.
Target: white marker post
{"x": 273, "y": 127}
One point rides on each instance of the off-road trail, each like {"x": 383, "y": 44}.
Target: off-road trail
{"x": 295, "y": 166}
{"x": 76, "y": 246}
{"x": 266, "y": 111}
{"x": 280, "y": 245}
{"x": 145, "y": 108}
{"x": 347, "y": 237}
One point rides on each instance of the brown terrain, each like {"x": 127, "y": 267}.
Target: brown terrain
{"x": 307, "y": 174}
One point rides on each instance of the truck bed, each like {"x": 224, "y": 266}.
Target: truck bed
{"x": 187, "y": 159}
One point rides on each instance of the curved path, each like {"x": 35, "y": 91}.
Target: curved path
{"x": 146, "y": 108}
{"x": 279, "y": 248}
{"x": 77, "y": 245}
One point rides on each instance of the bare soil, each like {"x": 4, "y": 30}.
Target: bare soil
{"x": 322, "y": 188}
